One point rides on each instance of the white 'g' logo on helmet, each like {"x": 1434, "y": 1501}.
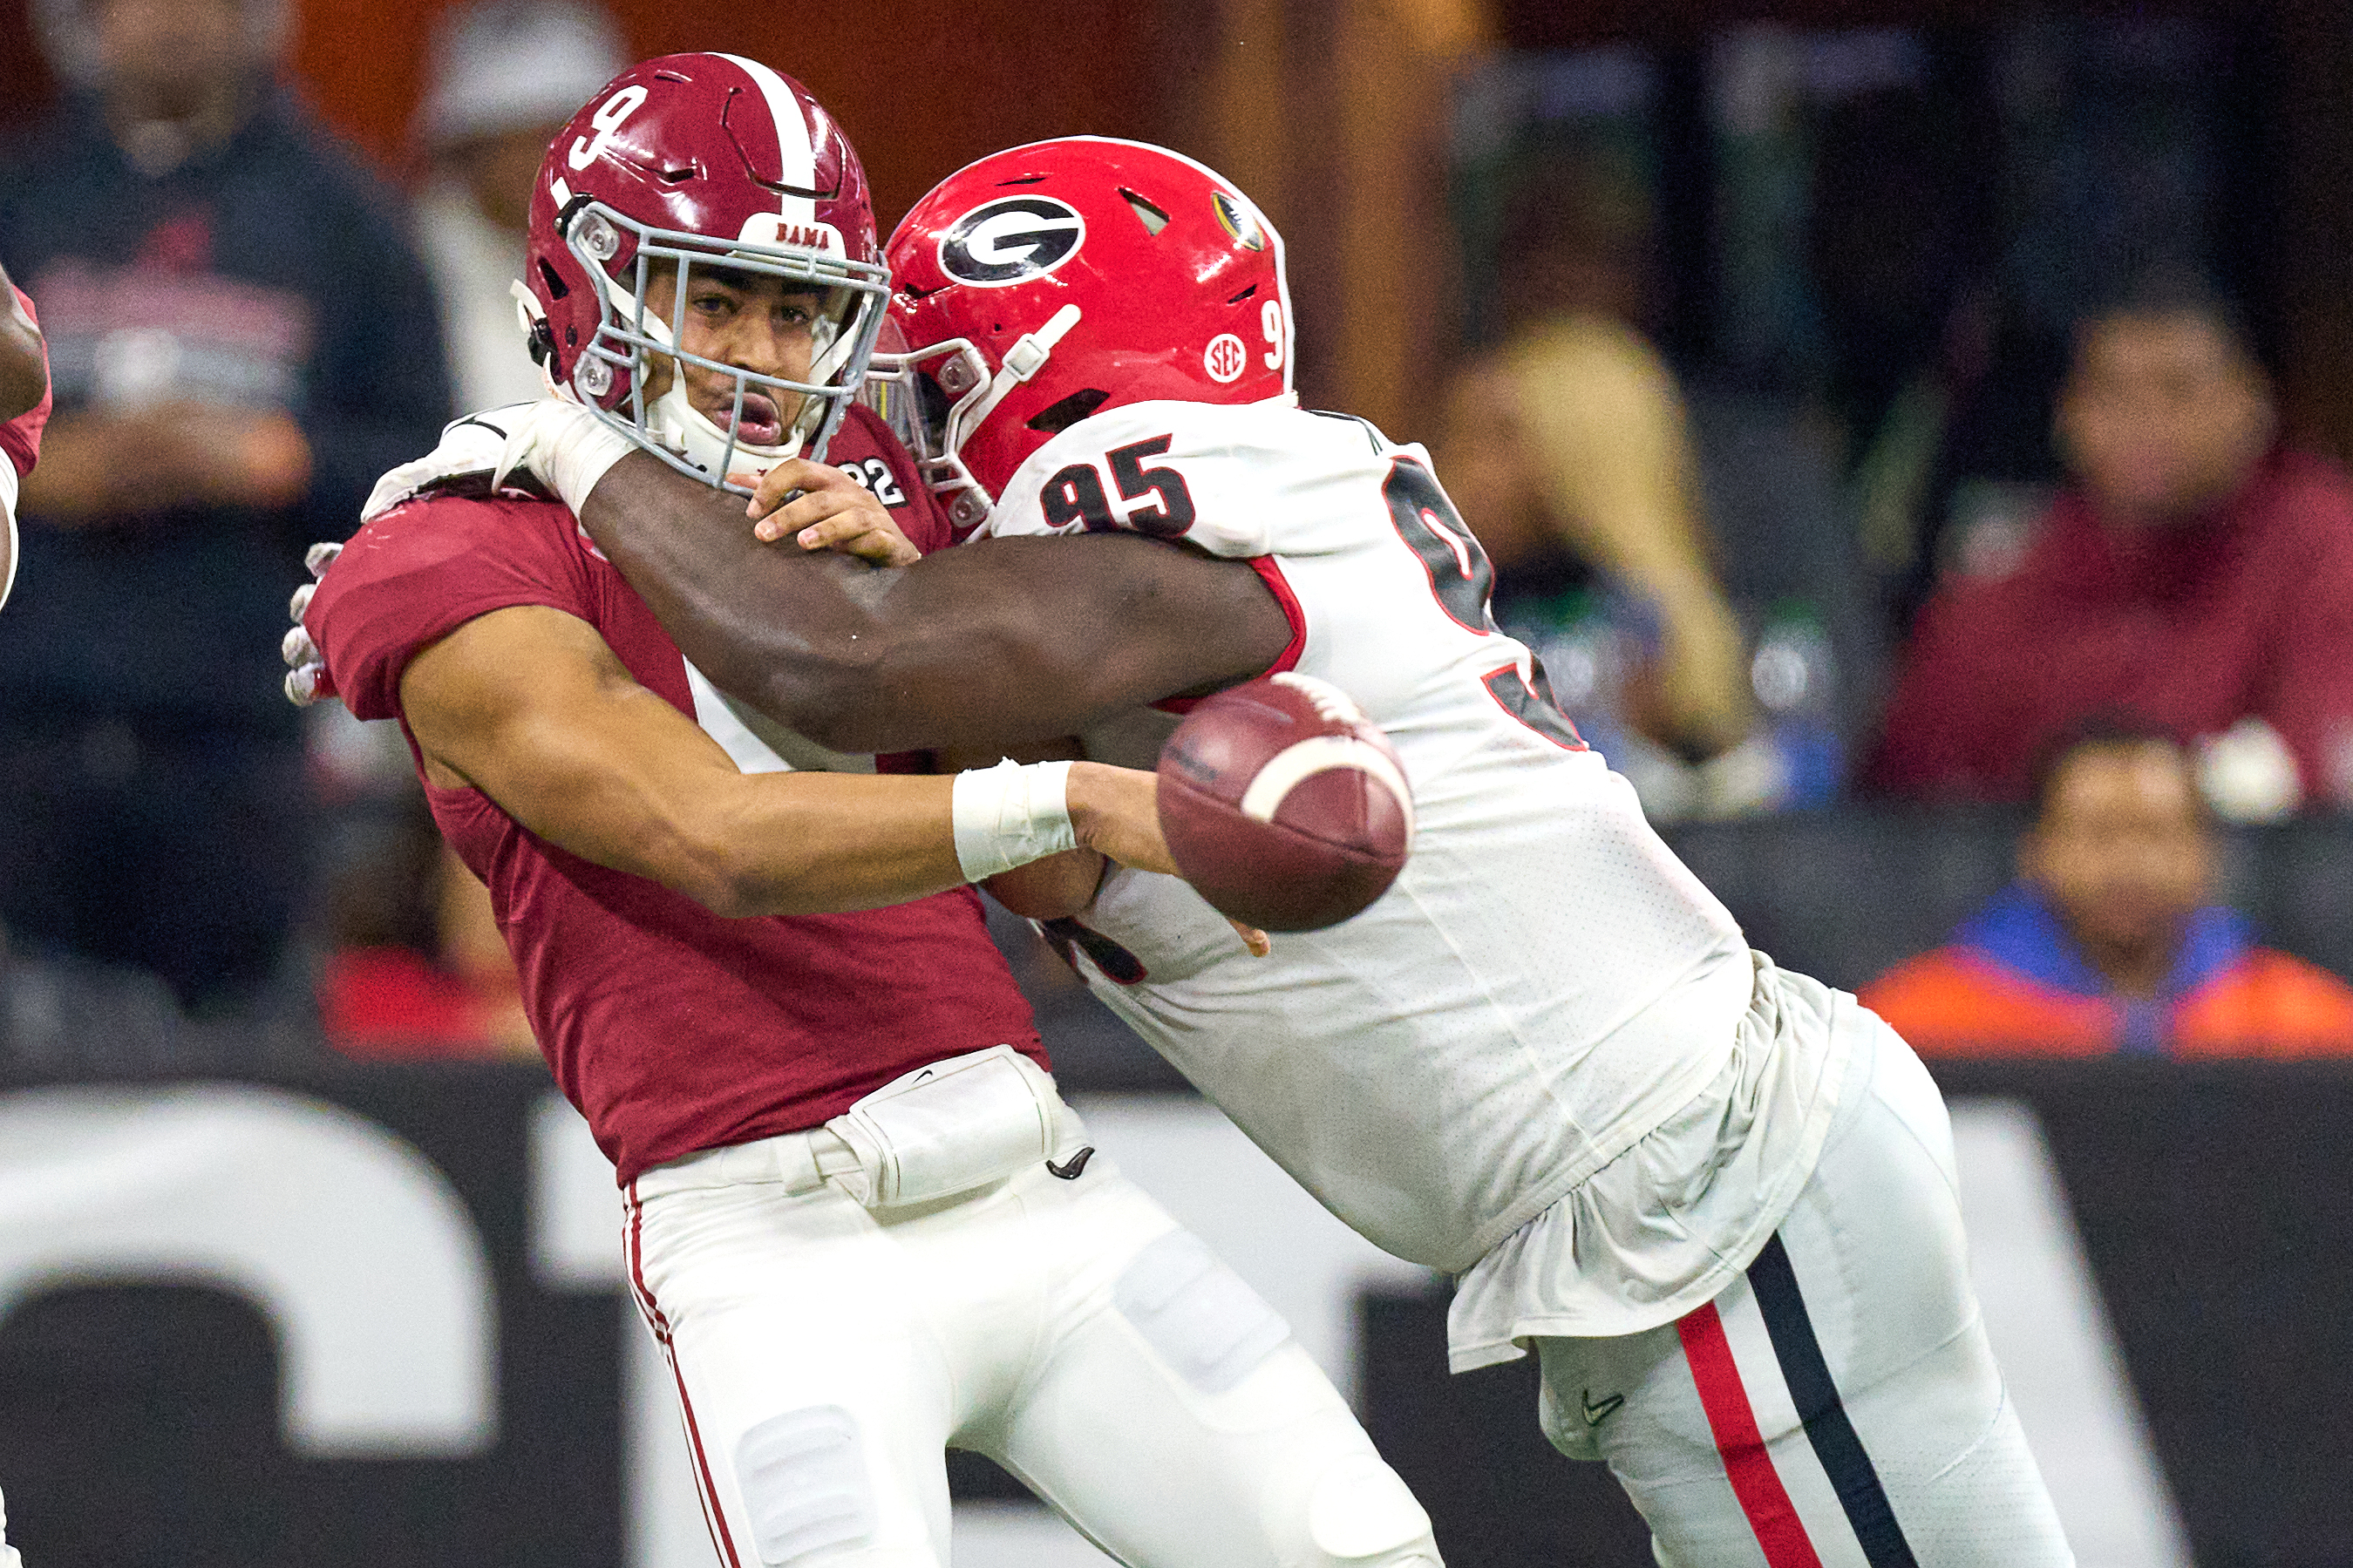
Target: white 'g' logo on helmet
{"x": 1011, "y": 240}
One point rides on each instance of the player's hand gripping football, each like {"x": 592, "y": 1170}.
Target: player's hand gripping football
{"x": 822, "y": 508}
{"x": 1116, "y": 814}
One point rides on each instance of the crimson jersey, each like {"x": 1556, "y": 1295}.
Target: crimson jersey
{"x": 672, "y": 1029}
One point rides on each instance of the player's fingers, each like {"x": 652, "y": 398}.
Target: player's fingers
{"x": 803, "y": 509}
{"x": 814, "y": 508}
{"x": 789, "y": 480}
{"x": 860, "y": 534}
{"x": 300, "y": 605}
{"x": 1253, "y": 938}
{"x": 297, "y": 648}
{"x": 321, "y": 556}
{"x": 308, "y": 683}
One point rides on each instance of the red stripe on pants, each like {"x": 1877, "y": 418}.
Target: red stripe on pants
{"x": 1755, "y": 1482}
{"x": 714, "y": 1516}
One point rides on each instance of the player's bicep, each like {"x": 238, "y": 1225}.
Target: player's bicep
{"x": 529, "y": 706}
{"x": 1006, "y": 639}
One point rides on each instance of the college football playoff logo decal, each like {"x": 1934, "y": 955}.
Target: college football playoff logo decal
{"x": 1238, "y": 220}
{"x": 1011, "y": 240}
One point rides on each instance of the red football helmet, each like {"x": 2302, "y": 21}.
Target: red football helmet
{"x": 718, "y": 160}
{"x": 1041, "y": 285}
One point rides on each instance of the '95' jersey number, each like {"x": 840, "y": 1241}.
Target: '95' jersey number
{"x": 1076, "y": 494}
{"x": 1462, "y": 580}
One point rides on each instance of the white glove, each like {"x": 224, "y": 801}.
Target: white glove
{"x": 306, "y": 677}
{"x": 551, "y": 449}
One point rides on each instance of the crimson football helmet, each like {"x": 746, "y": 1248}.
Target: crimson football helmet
{"x": 701, "y": 160}
{"x": 1042, "y": 284}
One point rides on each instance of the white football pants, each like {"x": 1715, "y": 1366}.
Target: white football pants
{"x": 826, "y": 1354}
{"x": 1839, "y": 1404}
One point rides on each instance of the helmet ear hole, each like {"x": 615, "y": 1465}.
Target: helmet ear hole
{"x": 1057, "y": 418}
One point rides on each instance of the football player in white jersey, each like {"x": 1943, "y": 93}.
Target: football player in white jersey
{"x": 1715, "y": 1197}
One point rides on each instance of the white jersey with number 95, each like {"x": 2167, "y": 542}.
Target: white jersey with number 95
{"x": 1545, "y": 986}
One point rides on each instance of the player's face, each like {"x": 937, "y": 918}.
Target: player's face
{"x": 2162, "y": 418}
{"x": 748, "y": 320}
{"x": 2122, "y": 848}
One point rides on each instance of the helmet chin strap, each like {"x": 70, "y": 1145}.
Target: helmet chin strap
{"x": 1025, "y": 359}
{"x": 673, "y": 420}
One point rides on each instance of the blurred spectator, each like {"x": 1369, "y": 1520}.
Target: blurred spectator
{"x": 242, "y": 340}
{"x": 1569, "y": 448}
{"x": 1573, "y": 454}
{"x": 505, "y": 77}
{"x": 419, "y": 968}
{"x": 2107, "y": 944}
{"x": 2191, "y": 571}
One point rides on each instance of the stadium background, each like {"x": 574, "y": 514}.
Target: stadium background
{"x": 2165, "y": 1247}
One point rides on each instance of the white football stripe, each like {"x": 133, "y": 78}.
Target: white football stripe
{"x": 799, "y": 157}
{"x": 1330, "y": 701}
{"x": 1321, "y": 755}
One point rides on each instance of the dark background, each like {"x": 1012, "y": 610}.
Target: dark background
{"x": 137, "y": 1424}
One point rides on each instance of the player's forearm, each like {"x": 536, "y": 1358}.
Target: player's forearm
{"x": 985, "y": 644}
{"x": 827, "y": 842}
{"x": 791, "y": 844}
{"x": 771, "y": 626}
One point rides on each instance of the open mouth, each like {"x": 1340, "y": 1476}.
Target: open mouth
{"x": 759, "y": 424}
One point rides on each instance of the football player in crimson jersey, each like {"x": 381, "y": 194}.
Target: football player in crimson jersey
{"x": 23, "y": 409}
{"x": 859, "y": 1217}
{"x": 1716, "y": 1197}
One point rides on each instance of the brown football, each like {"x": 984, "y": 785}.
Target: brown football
{"x": 1284, "y": 806}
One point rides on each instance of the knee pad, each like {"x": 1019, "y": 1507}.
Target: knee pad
{"x": 804, "y": 1485}
{"x": 1195, "y": 1314}
{"x": 1361, "y": 1515}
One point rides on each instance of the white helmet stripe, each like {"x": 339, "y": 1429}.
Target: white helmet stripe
{"x": 797, "y": 153}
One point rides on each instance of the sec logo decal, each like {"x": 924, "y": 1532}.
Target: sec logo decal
{"x": 1011, "y": 240}
{"x": 1224, "y": 358}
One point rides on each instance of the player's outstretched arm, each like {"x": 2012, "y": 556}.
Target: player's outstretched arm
{"x": 987, "y": 645}
{"x": 583, "y": 756}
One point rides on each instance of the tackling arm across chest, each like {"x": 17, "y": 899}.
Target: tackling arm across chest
{"x": 994, "y": 644}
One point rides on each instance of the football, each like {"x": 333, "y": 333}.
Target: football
{"x": 1284, "y": 806}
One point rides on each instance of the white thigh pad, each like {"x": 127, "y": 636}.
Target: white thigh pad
{"x": 1197, "y": 1313}
{"x": 1361, "y": 1512}
{"x": 803, "y": 1476}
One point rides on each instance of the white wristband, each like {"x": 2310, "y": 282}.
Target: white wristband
{"x": 1010, "y": 815}
{"x": 572, "y": 448}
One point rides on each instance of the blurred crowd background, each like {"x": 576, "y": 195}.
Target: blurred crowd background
{"x": 1908, "y": 433}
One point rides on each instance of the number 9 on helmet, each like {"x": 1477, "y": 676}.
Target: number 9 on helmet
{"x": 700, "y": 161}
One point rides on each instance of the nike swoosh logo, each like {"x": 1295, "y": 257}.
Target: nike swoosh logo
{"x": 1071, "y": 1172}
{"x": 1595, "y": 1415}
